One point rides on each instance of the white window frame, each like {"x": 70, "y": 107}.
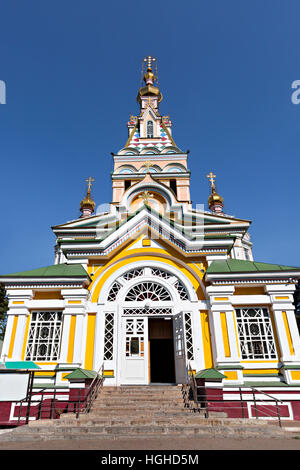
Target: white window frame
{"x": 257, "y": 341}
{"x": 52, "y": 341}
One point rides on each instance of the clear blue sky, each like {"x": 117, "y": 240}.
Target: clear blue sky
{"x": 72, "y": 70}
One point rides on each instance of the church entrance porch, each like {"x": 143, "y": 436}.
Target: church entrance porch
{"x": 148, "y": 325}
{"x": 152, "y": 350}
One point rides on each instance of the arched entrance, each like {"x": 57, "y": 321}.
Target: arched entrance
{"x": 148, "y": 332}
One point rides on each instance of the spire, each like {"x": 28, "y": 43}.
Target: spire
{"x": 215, "y": 201}
{"x": 87, "y": 205}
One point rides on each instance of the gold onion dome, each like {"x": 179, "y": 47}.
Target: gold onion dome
{"x": 215, "y": 201}
{"x": 214, "y": 197}
{"x": 149, "y": 79}
{"x": 87, "y": 205}
{"x": 87, "y": 202}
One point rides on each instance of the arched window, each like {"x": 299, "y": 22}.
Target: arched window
{"x": 150, "y": 129}
{"x": 147, "y": 290}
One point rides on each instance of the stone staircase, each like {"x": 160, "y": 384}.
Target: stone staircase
{"x": 138, "y": 412}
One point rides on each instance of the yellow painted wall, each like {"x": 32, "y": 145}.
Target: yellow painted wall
{"x": 12, "y": 338}
{"x": 130, "y": 256}
{"x": 225, "y": 334}
{"x": 208, "y": 356}
{"x": 25, "y": 338}
{"x": 71, "y": 339}
{"x": 288, "y": 333}
{"x": 47, "y": 295}
{"x": 90, "y": 341}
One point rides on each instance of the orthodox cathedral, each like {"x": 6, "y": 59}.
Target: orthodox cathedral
{"x": 154, "y": 288}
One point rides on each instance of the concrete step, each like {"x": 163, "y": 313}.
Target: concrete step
{"x": 137, "y": 399}
{"x": 117, "y": 421}
{"x": 76, "y": 432}
{"x": 165, "y": 395}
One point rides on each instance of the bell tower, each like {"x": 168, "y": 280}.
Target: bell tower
{"x": 150, "y": 150}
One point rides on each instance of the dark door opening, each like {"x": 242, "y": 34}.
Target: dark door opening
{"x": 161, "y": 351}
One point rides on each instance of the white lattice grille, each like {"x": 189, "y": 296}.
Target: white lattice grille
{"x": 255, "y": 333}
{"x": 44, "y": 336}
{"x": 133, "y": 273}
{"x": 109, "y": 337}
{"x": 181, "y": 290}
{"x": 147, "y": 291}
{"x": 160, "y": 273}
{"x": 114, "y": 292}
{"x": 152, "y": 288}
{"x": 147, "y": 311}
{"x": 189, "y": 336}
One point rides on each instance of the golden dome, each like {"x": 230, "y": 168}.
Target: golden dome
{"x": 87, "y": 202}
{"x": 214, "y": 197}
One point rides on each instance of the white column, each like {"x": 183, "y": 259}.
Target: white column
{"x": 220, "y": 302}
{"x": 18, "y": 305}
{"x": 99, "y": 336}
{"x": 198, "y": 342}
{"x": 7, "y": 336}
{"x": 281, "y": 299}
{"x": 75, "y": 303}
{"x": 19, "y": 338}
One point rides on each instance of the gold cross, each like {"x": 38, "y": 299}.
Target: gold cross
{"x": 89, "y": 181}
{"x": 149, "y": 60}
{"x": 211, "y": 178}
{"x": 145, "y": 196}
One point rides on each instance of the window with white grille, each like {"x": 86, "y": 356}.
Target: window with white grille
{"x": 44, "y": 336}
{"x": 255, "y": 333}
{"x": 150, "y": 129}
{"x": 109, "y": 337}
{"x": 135, "y": 330}
{"x": 133, "y": 273}
{"x": 114, "y": 292}
{"x": 181, "y": 290}
{"x": 147, "y": 290}
{"x": 160, "y": 273}
{"x": 189, "y": 336}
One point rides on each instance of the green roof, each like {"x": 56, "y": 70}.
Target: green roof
{"x": 21, "y": 365}
{"x": 209, "y": 374}
{"x": 81, "y": 374}
{"x": 240, "y": 266}
{"x": 56, "y": 270}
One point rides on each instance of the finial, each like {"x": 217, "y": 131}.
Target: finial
{"x": 87, "y": 205}
{"x": 149, "y": 94}
{"x": 215, "y": 201}
{"x": 211, "y": 178}
{"x": 149, "y": 76}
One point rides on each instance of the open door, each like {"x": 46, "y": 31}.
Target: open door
{"x": 161, "y": 350}
{"x": 134, "y": 369}
{"x": 179, "y": 349}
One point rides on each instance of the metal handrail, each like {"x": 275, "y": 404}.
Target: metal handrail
{"x": 87, "y": 399}
{"x": 203, "y": 403}
{"x": 98, "y": 379}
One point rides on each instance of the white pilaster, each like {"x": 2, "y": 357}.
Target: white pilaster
{"x": 18, "y": 305}
{"x": 220, "y": 302}
{"x": 75, "y": 303}
{"x": 281, "y": 299}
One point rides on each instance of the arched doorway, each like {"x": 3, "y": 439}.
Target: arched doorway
{"x": 148, "y": 333}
